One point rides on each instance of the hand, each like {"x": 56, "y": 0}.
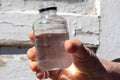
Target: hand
{"x": 86, "y": 66}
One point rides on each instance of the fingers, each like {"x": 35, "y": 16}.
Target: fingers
{"x": 39, "y": 75}
{"x": 31, "y": 53}
{"x": 31, "y": 36}
{"x": 33, "y": 66}
{"x": 83, "y": 58}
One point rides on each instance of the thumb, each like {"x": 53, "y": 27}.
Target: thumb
{"x": 84, "y": 59}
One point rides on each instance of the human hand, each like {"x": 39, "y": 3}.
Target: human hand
{"x": 86, "y": 66}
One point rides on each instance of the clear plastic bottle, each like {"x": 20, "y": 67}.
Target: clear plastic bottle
{"x": 50, "y": 31}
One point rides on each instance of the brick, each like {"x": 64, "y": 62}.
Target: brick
{"x": 20, "y": 23}
{"x": 12, "y": 4}
{"x": 68, "y": 6}
{"x": 18, "y": 18}
{"x": 85, "y": 23}
{"x": 88, "y": 39}
{"x": 11, "y": 32}
{"x": 84, "y": 28}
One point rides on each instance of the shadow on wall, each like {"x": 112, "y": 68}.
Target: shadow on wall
{"x": 13, "y": 50}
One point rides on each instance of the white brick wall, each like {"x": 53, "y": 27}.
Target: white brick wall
{"x": 70, "y": 6}
{"x": 17, "y": 17}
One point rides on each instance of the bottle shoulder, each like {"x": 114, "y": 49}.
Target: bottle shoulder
{"x": 50, "y": 19}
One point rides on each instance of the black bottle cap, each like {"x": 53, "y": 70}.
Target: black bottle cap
{"x": 48, "y": 8}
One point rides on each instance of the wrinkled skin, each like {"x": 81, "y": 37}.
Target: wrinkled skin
{"x": 86, "y": 65}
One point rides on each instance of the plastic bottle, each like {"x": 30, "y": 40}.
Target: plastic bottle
{"x": 50, "y": 31}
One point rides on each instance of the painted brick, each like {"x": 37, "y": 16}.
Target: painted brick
{"x": 20, "y": 23}
{"x": 69, "y": 6}
{"x": 88, "y": 39}
{"x": 85, "y": 28}
{"x": 18, "y": 17}
{"x": 10, "y": 32}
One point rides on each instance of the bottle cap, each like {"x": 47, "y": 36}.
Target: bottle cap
{"x": 48, "y": 8}
{"x": 47, "y": 5}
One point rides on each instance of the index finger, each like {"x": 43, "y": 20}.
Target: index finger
{"x": 31, "y": 36}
